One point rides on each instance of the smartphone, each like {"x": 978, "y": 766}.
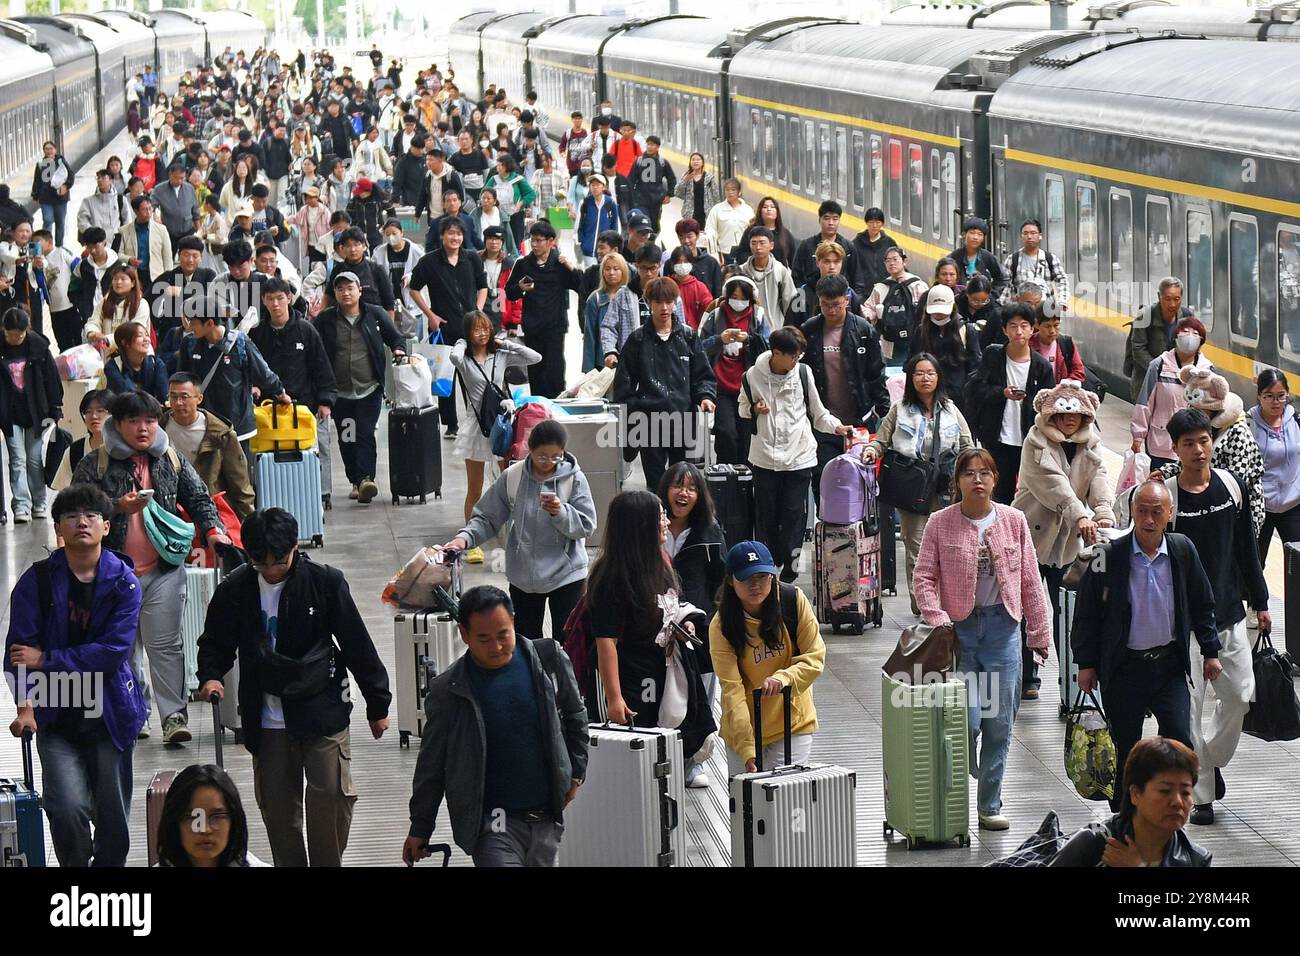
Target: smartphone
{"x": 1018, "y": 392}
{"x": 34, "y": 249}
{"x": 145, "y": 493}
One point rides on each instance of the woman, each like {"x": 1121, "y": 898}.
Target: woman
{"x": 577, "y": 194}
{"x": 514, "y": 195}
{"x": 769, "y": 215}
{"x": 337, "y": 184}
{"x": 501, "y": 141}
{"x": 978, "y": 571}
{"x": 979, "y": 309}
{"x": 694, "y": 543}
{"x": 476, "y": 127}
{"x": 481, "y": 358}
{"x": 498, "y": 263}
{"x": 30, "y": 392}
{"x": 945, "y": 274}
{"x": 614, "y": 278}
{"x": 203, "y": 822}
{"x": 304, "y": 145}
{"x": 241, "y": 184}
{"x": 697, "y": 189}
{"x": 52, "y": 180}
{"x": 733, "y": 336}
{"x": 131, "y": 365}
{"x": 201, "y": 191}
{"x": 908, "y": 429}
{"x": 124, "y": 302}
{"x": 550, "y": 184}
{"x": 94, "y": 412}
{"x": 213, "y": 181}
{"x": 488, "y": 213}
{"x": 308, "y": 177}
{"x": 893, "y": 319}
{"x": 598, "y": 213}
{"x": 1277, "y": 432}
{"x": 727, "y": 220}
{"x": 158, "y": 115}
{"x": 1149, "y": 829}
{"x": 1064, "y": 491}
{"x": 213, "y": 231}
{"x": 753, "y": 648}
{"x": 943, "y": 334}
{"x": 1163, "y": 393}
{"x": 114, "y": 167}
{"x": 696, "y": 297}
{"x": 630, "y": 599}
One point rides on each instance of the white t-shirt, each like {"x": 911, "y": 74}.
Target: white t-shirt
{"x": 987, "y": 591}
{"x": 272, "y": 709}
{"x": 1017, "y": 377}
{"x": 187, "y": 438}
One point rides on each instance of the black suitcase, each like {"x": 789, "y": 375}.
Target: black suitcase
{"x": 888, "y": 549}
{"x": 414, "y": 453}
{"x": 1291, "y": 598}
{"x": 732, "y": 488}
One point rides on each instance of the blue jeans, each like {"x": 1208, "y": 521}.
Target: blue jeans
{"x": 52, "y": 216}
{"x": 26, "y": 468}
{"x": 990, "y": 665}
{"x": 85, "y": 779}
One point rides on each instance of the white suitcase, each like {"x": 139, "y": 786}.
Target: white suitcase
{"x": 426, "y": 643}
{"x": 200, "y": 585}
{"x": 803, "y": 815}
{"x": 629, "y": 810}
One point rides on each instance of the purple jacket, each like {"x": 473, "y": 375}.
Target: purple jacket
{"x": 107, "y": 651}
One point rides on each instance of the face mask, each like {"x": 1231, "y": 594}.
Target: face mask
{"x": 941, "y": 321}
{"x": 738, "y": 305}
{"x": 482, "y": 144}
{"x": 682, "y": 268}
{"x": 607, "y": 110}
{"x": 395, "y": 241}
{"x": 1188, "y": 342}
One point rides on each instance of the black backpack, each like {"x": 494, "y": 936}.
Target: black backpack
{"x": 898, "y": 311}
{"x": 1091, "y": 382}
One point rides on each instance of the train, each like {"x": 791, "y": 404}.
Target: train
{"x": 63, "y": 78}
{"x": 1144, "y": 152}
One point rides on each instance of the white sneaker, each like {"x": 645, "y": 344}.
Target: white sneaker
{"x": 995, "y": 821}
{"x": 40, "y": 512}
{"x": 696, "y": 778}
{"x": 22, "y": 517}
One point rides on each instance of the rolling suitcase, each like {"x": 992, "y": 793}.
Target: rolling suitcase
{"x": 200, "y": 583}
{"x": 632, "y": 801}
{"x": 846, "y": 591}
{"x": 22, "y": 828}
{"x": 156, "y": 795}
{"x": 1291, "y": 597}
{"x": 415, "y": 453}
{"x": 426, "y": 643}
{"x": 803, "y": 815}
{"x": 888, "y": 547}
{"x": 1068, "y": 678}
{"x": 926, "y": 752}
{"x": 594, "y": 442}
{"x": 291, "y": 480}
{"x": 732, "y": 488}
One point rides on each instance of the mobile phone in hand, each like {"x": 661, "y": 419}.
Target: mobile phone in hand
{"x": 145, "y": 493}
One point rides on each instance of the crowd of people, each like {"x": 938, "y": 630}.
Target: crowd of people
{"x": 259, "y": 247}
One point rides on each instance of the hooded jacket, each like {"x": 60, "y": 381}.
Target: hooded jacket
{"x": 543, "y": 551}
{"x": 105, "y": 210}
{"x": 658, "y": 376}
{"x": 592, "y": 221}
{"x": 1280, "y": 450}
{"x": 42, "y": 394}
{"x": 869, "y": 262}
{"x": 1162, "y": 394}
{"x": 220, "y": 462}
{"x": 784, "y": 440}
{"x": 776, "y": 289}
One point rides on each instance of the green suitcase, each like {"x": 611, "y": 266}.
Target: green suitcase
{"x": 927, "y": 762}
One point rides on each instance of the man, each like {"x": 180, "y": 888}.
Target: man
{"x": 544, "y": 280}
{"x": 400, "y": 256}
{"x": 1152, "y": 332}
{"x": 539, "y": 115}
{"x": 576, "y": 144}
{"x": 376, "y": 288}
{"x": 1031, "y": 261}
{"x": 207, "y": 443}
{"x": 470, "y": 163}
{"x": 12, "y": 213}
{"x": 339, "y": 129}
{"x": 703, "y": 266}
{"x": 663, "y": 377}
{"x": 354, "y": 334}
{"x": 627, "y": 149}
{"x": 830, "y": 262}
{"x": 447, "y": 283}
{"x": 150, "y": 81}
{"x": 776, "y": 291}
{"x": 276, "y": 163}
{"x": 145, "y": 244}
{"x": 409, "y": 172}
{"x": 452, "y": 211}
{"x": 268, "y": 262}
{"x": 528, "y": 124}
{"x": 103, "y": 208}
{"x": 289, "y": 621}
{"x": 1211, "y": 506}
{"x": 73, "y": 616}
{"x": 639, "y": 230}
{"x": 620, "y": 319}
{"x": 239, "y": 286}
{"x": 188, "y": 283}
{"x": 973, "y": 259}
{"x": 603, "y": 138}
{"x": 893, "y": 306}
{"x": 1142, "y": 599}
{"x": 57, "y": 267}
{"x": 25, "y": 285}
{"x": 367, "y": 209}
{"x": 137, "y": 457}
{"x": 653, "y": 182}
{"x": 869, "y": 249}
{"x": 267, "y": 218}
{"x": 803, "y": 268}
{"x": 505, "y": 742}
{"x": 407, "y": 134}
{"x": 247, "y": 146}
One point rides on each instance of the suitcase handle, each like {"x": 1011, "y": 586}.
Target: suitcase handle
{"x": 787, "y": 705}
{"x": 670, "y": 813}
{"x": 29, "y": 767}
{"x": 444, "y": 849}
{"x": 219, "y": 730}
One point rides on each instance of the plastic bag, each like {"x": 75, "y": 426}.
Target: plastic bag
{"x": 1135, "y": 470}
{"x": 79, "y": 362}
{"x": 413, "y": 587}
{"x": 412, "y": 383}
{"x": 438, "y": 355}
{"x": 1090, "y": 756}
{"x": 596, "y": 383}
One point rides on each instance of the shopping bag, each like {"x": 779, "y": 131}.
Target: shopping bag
{"x": 1090, "y": 756}
{"x": 413, "y": 587}
{"x": 438, "y": 355}
{"x": 1135, "y": 470}
{"x": 559, "y": 218}
{"x": 79, "y": 362}
{"x": 412, "y": 382}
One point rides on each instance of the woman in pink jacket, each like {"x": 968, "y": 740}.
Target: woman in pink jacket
{"x": 1162, "y": 392}
{"x": 978, "y": 571}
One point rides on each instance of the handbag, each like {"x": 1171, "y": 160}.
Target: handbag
{"x": 170, "y": 535}
{"x": 925, "y": 654}
{"x": 1039, "y": 848}
{"x": 293, "y": 678}
{"x": 1090, "y": 754}
{"x": 912, "y": 483}
{"x": 1275, "y": 712}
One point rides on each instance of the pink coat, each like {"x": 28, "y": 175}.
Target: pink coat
{"x": 944, "y": 579}
{"x": 1163, "y": 393}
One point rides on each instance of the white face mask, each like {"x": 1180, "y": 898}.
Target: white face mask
{"x": 682, "y": 268}
{"x": 607, "y": 110}
{"x": 395, "y": 240}
{"x": 941, "y": 320}
{"x": 738, "y": 305}
{"x": 482, "y": 144}
{"x": 1188, "y": 342}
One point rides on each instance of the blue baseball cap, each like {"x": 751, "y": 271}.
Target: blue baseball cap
{"x": 748, "y": 558}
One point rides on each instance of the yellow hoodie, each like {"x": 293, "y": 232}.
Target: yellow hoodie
{"x": 740, "y": 678}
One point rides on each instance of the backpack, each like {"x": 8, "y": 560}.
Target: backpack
{"x": 898, "y": 311}
{"x": 803, "y": 380}
{"x": 147, "y": 171}
{"x": 1051, "y": 269}
{"x": 1227, "y": 477}
{"x": 848, "y": 490}
{"x": 1091, "y": 382}
{"x": 528, "y": 415}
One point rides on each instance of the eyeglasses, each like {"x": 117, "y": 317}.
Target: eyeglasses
{"x": 982, "y": 475}
{"x": 263, "y": 566}
{"x": 1274, "y": 397}
{"x": 548, "y": 459}
{"x": 76, "y": 517}
{"x": 179, "y": 398}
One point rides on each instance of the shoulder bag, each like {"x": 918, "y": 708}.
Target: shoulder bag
{"x": 912, "y": 484}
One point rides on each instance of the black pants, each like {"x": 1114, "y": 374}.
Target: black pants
{"x": 546, "y": 378}
{"x": 655, "y": 461}
{"x": 1161, "y": 686}
{"x": 517, "y": 230}
{"x": 530, "y": 609}
{"x": 1052, "y": 578}
{"x": 730, "y": 432}
{"x": 355, "y": 420}
{"x": 652, "y": 209}
{"x": 447, "y": 409}
{"x": 1287, "y": 524}
{"x": 1008, "y": 461}
{"x": 67, "y": 328}
{"x": 623, "y": 197}
{"x": 780, "y": 511}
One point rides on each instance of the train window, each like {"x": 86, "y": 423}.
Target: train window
{"x": 1243, "y": 277}
{"x": 1086, "y": 199}
{"x": 1122, "y": 295}
{"x": 796, "y": 151}
{"x": 824, "y": 142}
{"x": 895, "y": 182}
{"x": 1200, "y": 265}
{"x": 1288, "y": 289}
{"x": 915, "y": 188}
{"x": 950, "y": 196}
{"x": 810, "y": 156}
{"x": 1054, "y": 206}
{"x": 877, "y": 196}
{"x": 842, "y": 167}
{"x": 755, "y": 134}
{"x": 936, "y": 201}
{"x": 1159, "y": 260}
{"x": 768, "y": 147}
{"x": 780, "y": 149}
{"x": 859, "y": 165}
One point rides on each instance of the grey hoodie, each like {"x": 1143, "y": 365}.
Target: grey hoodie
{"x": 543, "y": 552}
{"x": 105, "y": 210}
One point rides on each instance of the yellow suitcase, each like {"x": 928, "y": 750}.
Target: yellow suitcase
{"x": 281, "y": 428}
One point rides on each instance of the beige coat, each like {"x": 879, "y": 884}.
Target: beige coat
{"x": 160, "y": 248}
{"x": 1054, "y": 494}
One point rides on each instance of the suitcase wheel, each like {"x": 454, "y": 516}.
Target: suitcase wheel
{"x": 397, "y": 500}
{"x": 404, "y": 740}
{"x": 888, "y": 831}
{"x": 964, "y": 840}
{"x": 318, "y": 540}
{"x": 421, "y": 499}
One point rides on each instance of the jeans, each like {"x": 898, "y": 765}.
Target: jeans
{"x": 53, "y": 214}
{"x": 780, "y": 505}
{"x": 1229, "y": 697}
{"x": 530, "y": 609}
{"x": 158, "y": 637}
{"x": 356, "y": 420}
{"x": 1007, "y": 458}
{"x": 280, "y": 766}
{"x": 774, "y": 754}
{"x": 26, "y": 468}
{"x": 1136, "y": 686}
{"x": 278, "y": 188}
{"x": 731, "y": 432}
{"x": 514, "y": 841}
{"x": 546, "y": 378}
{"x": 1287, "y": 525}
{"x": 990, "y": 665}
{"x": 85, "y": 779}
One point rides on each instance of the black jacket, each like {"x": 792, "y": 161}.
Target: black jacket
{"x": 376, "y": 285}
{"x": 42, "y": 394}
{"x": 652, "y": 181}
{"x": 546, "y": 305}
{"x": 984, "y": 395}
{"x": 705, "y": 268}
{"x": 408, "y": 180}
{"x": 339, "y": 130}
{"x": 986, "y": 263}
{"x": 1103, "y": 612}
{"x": 42, "y": 191}
{"x": 377, "y": 327}
{"x": 959, "y": 358}
{"x": 296, "y": 354}
{"x": 869, "y": 262}
{"x": 275, "y": 158}
{"x": 1086, "y": 847}
{"x": 316, "y": 611}
{"x": 658, "y": 376}
{"x": 864, "y": 366}
{"x": 701, "y": 567}
{"x": 368, "y": 214}
{"x": 803, "y": 269}
{"x": 168, "y": 317}
{"x": 784, "y": 247}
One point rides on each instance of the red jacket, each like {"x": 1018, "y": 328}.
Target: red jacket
{"x": 512, "y": 313}
{"x": 696, "y": 299}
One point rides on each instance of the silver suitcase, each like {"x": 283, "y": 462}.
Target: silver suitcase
{"x": 426, "y": 643}
{"x": 802, "y": 815}
{"x": 200, "y": 584}
{"x": 594, "y": 442}
{"x": 629, "y": 810}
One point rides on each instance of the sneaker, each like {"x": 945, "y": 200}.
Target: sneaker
{"x": 474, "y": 556}
{"x": 40, "y": 512}
{"x": 22, "y": 517}
{"x": 696, "y": 778}
{"x": 1203, "y": 814}
{"x": 1220, "y": 788}
{"x": 994, "y": 821}
{"x": 353, "y": 493}
{"x": 367, "y": 490}
{"x": 175, "y": 730}
{"x": 1029, "y": 693}
{"x": 449, "y": 435}
{"x": 144, "y": 732}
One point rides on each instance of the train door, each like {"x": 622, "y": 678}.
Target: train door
{"x": 1000, "y": 225}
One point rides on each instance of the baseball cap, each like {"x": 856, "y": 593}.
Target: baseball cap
{"x": 493, "y": 232}
{"x": 244, "y": 209}
{"x": 363, "y": 185}
{"x": 344, "y": 277}
{"x": 311, "y": 191}
{"x": 603, "y": 180}
{"x": 939, "y": 300}
{"x": 639, "y": 222}
{"x": 748, "y": 558}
